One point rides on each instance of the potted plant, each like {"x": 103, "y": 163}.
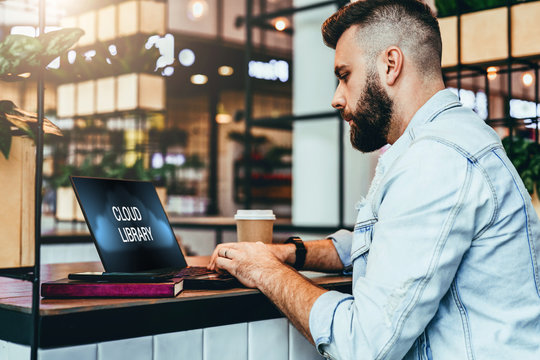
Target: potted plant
{"x": 19, "y": 55}
{"x": 525, "y": 155}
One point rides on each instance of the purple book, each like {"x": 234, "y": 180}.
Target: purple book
{"x": 65, "y": 288}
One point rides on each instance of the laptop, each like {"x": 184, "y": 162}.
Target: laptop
{"x": 133, "y": 236}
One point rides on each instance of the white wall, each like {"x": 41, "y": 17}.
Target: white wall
{"x": 316, "y": 142}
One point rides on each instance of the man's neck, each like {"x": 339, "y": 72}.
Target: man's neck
{"x": 408, "y": 102}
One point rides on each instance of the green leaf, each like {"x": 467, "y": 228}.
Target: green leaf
{"x": 57, "y": 42}
{"x": 5, "y": 137}
{"x": 16, "y": 48}
{"x": 19, "y": 122}
{"x": 534, "y": 165}
{"x": 445, "y": 7}
{"x": 5, "y": 65}
{"x": 21, "y": 52}
{"x": 528, "y": 180}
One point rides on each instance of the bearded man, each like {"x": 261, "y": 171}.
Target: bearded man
{"x": 446, "y": 247}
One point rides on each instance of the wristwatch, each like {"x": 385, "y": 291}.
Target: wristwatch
{"x": 300, "y": 251}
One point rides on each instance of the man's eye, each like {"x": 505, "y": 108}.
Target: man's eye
{"x": 343, "y": 76}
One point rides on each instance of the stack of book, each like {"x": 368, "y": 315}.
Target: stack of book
{"x": 66, "y": 288}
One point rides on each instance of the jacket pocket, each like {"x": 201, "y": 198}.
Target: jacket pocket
{"x": 362, "y": 238}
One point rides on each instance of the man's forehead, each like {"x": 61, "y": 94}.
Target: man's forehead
{"x": 347, "y": 47}
{"x": 349, "y": 37}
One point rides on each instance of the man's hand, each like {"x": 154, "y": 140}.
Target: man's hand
{"x": 261, "y": 266}
{"x": 248, "y": 262}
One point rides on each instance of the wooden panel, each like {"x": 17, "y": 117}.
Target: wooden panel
{"x": 127, "y": 92}
{"x": 448, "y": 28}
{"x": 105, "y": 99}
{"x": 66, "y": 100}
{"x": 17, "y": 179}
{"x": 526, "y": 29}
{"x": 107, "y": 23}
{"x": 151, "y": 92}
{"x": 152, "y": 17}
{"x": 67, "y": 206}
{"x": 86, "y": 97}
{"x": 28, "y": 215}
{"x": 127, "y": 18}
{"x": 87, "y": 21}
{"x": 484, "y": 36}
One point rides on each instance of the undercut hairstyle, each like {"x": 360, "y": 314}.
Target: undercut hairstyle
{"x": 407, "y": 24}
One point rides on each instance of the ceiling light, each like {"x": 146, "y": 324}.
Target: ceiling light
{"x": 492, "y": 72}
{"x": 72, "y": 55}
{"x": 113, "y": 50}
{"x": 223, "y": 118}
{"x": 186, "y": 57}
{"x": 24, "y": 75}
{"x": 281, "y": 24}
{"x": 55, "y": 64}
{"x": 527, "y": 79}
{"x": 199, "y": 79}
{"x": 197, "y": 9}
{"x": 168, "y": 71}
{"x": 89, "y": 55}
{"x": 23, "y": 30}
{"x": 225, "y": 70}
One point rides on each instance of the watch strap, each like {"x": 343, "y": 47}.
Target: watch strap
{"x": 300, "y": 251}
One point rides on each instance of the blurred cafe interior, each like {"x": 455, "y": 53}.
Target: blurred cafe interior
{"x": 182, "y": 92}
{"x": 226, "y": 105}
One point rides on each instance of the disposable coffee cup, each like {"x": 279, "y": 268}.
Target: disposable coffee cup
{"x": 255, "y": 225}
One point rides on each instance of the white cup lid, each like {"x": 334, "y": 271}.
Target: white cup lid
{"x": 255, "y": 215}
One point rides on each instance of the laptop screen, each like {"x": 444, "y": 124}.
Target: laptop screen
{"x": 130, "y": 228}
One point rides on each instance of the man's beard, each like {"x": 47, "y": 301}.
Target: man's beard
{"x": 372, "y": 118}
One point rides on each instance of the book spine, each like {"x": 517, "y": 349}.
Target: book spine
{"x": 108, "y": 290}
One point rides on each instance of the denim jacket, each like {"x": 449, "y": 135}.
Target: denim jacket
{"x": 445, "y": 252}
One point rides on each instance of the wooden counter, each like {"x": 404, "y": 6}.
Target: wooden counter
{"x": 84, "y": 321}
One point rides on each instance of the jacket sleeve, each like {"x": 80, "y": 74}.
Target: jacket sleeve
{"x": 432, "y": 201}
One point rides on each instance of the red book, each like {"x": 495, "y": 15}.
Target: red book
{"x": 65, "y": 288}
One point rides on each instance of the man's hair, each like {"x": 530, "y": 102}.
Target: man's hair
{"x": 408, "y": 24}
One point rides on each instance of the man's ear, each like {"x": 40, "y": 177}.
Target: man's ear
{"x": 392, "y": 59}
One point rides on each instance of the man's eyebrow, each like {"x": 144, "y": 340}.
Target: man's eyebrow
{"x": 338, "y": 69}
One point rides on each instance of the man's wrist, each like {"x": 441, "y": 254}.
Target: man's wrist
{"x": 290, "y": 251}
{"x": 284, "y": 252}
{"x": 299, "y": 253}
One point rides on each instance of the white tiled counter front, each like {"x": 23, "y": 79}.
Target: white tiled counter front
{"x": 274, "y": 339}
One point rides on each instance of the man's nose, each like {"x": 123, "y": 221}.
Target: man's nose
{"x": 338, "y": 102}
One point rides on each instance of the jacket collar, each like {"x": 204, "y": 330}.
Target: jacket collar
{"x": 441, "y": 101}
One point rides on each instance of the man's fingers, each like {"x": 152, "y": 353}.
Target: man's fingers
{"x": 211, "y": 263}
{"x": 222, "y": 250}
{"x": 227, "y": 252}
{"x": 224, "y": 263}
